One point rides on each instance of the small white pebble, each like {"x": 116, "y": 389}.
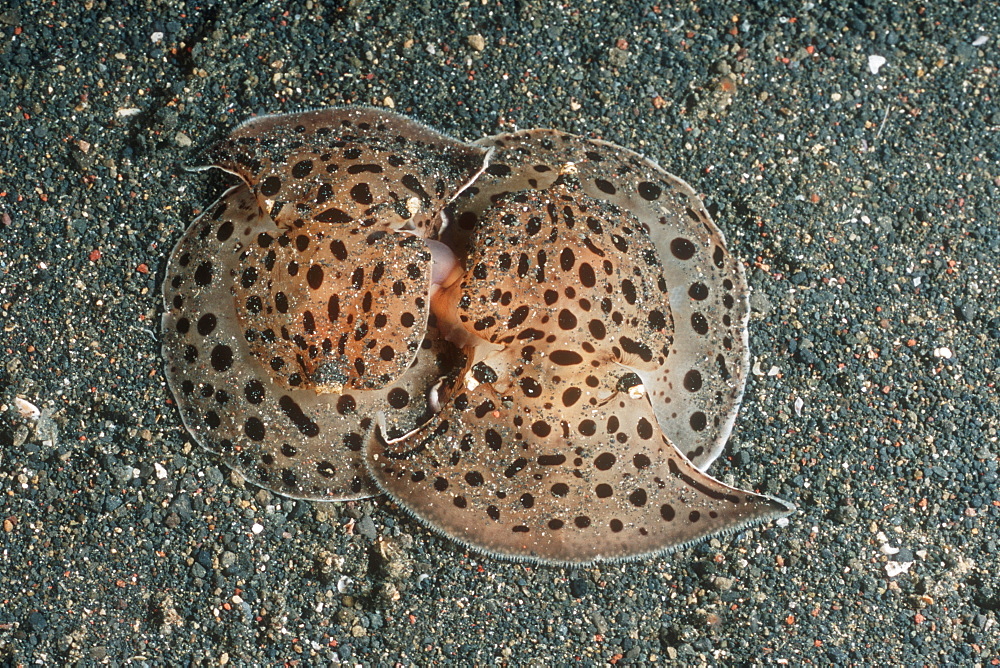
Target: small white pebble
{"x": 161, "y": 472}
{"x": 257, "y": 528}
{"x": 156, "y": 37}
{"x": 773, "y": 371}
{"x": 979, "y": 41}
{"x": 477, "y": 42}
{"x": 894, "y": 568}
{"x": 942, "y": 352}
{"x": 637, "y": 391}
{"x": 27, "y": 409}
{"x": 875, "y": 63}
{"x": 798, "y": 406}
{"x": 413, "y": 205}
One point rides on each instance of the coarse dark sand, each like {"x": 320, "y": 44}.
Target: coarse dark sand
{"x": 862, "y": 199}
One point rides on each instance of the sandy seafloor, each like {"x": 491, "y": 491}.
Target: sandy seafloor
{"x": 864, "y": 205}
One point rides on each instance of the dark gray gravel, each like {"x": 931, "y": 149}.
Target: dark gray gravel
{"x": 865, "y": 206}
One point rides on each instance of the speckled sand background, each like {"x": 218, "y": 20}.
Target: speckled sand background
{"x": 862, "y": 198}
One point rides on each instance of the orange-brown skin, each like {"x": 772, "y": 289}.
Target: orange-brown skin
{"x": 540, "y": 369}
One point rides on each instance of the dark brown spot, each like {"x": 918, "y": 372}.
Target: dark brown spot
{"x": 222, "y": 357}
{"x": 605, "y": 186}
{"x": 225, "y": 231}
{"x": 516, "y": 467}
{"x": 206, "y": 324}
{"x": 698, "y": 291}
{"x": 346, "y": 404}
{"x": 649, "y": 191}
{"x": 270, "y": 186}
{"x": 597, "y": 329}
{"x": 682, "y": 248}
{"x": 628, "y": 291}
{"x": 567, "y": 320}
{"x": 254, "y": 429}
{"x": 567, "y": 259}
{"x": 294, "y": 413}
{"x": 571, "y": 396}
{"x": 302, "y": 169}
{"x": 541, "y": 429}
{"x": 604, "y": 461}
{"x": 566, "y": 357}
{"x": 518, "y": 316}
{"x": 361, "y": 194}
{"x": 254, "y": 392}
{"x": 338, "y": 249}
{"x": 333, "y": 215}
{"x": 315, "y": 276}
{"x": 692, "y": 380}
{"x": 203, "y": 274}
{"x": 398, "y": 397}
{"x": 493, "y": 439}
{"x": 530, "y": 386}
{"x": 699, "y": 323}
{"x": 638, "y": 498}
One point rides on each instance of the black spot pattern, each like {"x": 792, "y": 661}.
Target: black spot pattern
{"x": 328, "y": 366}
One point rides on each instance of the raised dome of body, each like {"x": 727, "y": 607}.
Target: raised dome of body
{"x": 535, "y": 343}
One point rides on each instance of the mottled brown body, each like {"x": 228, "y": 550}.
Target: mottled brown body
{"x": 535, "y": 343}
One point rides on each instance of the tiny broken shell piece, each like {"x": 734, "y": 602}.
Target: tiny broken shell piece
{"x": 352, "y": 166}
{"x": 328, "y": 308}
{"x": 295, "y": 442}
{"x": 697, "y": 394}
{"x": 26, "y": 409}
